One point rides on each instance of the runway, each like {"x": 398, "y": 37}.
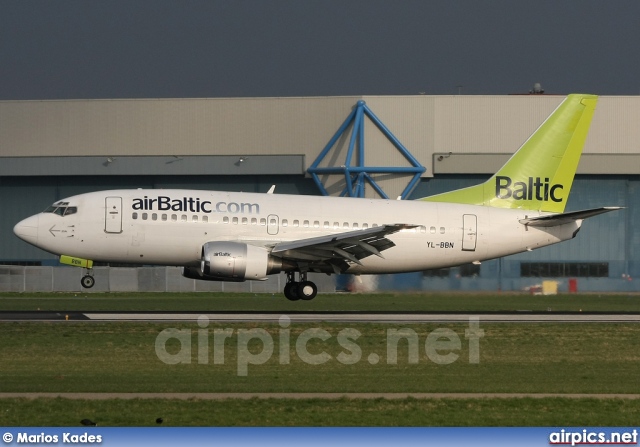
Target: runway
{"x": 329, "y": 317}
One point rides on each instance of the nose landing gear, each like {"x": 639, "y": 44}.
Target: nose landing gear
{"x": 88, "y": 281}
{"x": 299, "y": 290}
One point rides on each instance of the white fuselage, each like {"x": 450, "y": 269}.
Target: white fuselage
{"x": 169, "y": 227}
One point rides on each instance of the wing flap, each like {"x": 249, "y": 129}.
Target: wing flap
{"x": 336, "y": 249}
{"x": 553, "y": 220}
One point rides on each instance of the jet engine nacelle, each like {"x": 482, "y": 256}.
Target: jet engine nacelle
{"x": 234, "y": 261}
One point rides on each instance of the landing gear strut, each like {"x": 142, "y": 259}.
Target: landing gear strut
{"x": 87, "y": 280}
{"x": 299, "y": 290}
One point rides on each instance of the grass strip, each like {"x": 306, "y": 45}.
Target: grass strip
{"x": 318, "y": 412}
{"x": 513, "y": 358}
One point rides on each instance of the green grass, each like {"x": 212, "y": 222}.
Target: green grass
{"x": 78, "y": 356}
{"x": 391, "y": 302}
{"x": 514, "y": 358}
{"x": 317, "y": 412}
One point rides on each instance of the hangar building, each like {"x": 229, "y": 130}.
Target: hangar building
{"x": 53, "y": 149}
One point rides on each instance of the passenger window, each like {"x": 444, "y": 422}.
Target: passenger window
{"x": 134, "y": 216}
{"x": 245, "y": 221}
{"x": 234, "y": 221}
{"x": 225, "y": 220}
{"x": 205, "y": 219}
{"x": 432, "y": 230}
{"x": 195, "y": 218}
{"x": 326, "y": 224}
{"x": 154, "y": 216}
{"x": 355, "y": 226}
{"x": 423, "y": 229}
{"x": 316, "y": 224}
{"x": 263, "y": 221}
{"x": 174, "y": 217}
{"x": 441, "y": 230}
{"x": 345, "y": 225}
{"x": 144, "y": 216}
{"x": 365, "y": 226}
{"x": 296, "y": 223}
{"x": 164, "y": 217}
{"x": 254, "y": 221}
{"x": 336, "y": 225}
{"x": 183, "y": 218}
{"x": 285, "y": 223}
{"x": 305, "y": 224}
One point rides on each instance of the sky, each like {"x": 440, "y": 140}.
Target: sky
{"x": 83, "y": 49}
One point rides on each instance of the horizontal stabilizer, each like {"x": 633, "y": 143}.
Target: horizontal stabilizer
{"x": 564, "y": 218}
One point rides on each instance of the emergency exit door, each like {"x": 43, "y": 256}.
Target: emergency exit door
{"x": 273, "y": 224}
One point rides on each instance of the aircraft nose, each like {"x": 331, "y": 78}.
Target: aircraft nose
{"x": 27, "y": 229}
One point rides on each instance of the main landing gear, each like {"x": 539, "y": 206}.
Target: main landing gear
{"x": 88, "y": 280}
{"x": 299, "y": 290}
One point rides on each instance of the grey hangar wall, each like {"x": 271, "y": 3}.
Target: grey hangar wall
{"x": 53, "y": 149}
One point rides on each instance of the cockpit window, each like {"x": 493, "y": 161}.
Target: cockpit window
{"x": 61, "y": 209}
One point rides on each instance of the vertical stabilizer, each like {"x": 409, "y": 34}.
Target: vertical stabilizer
{"x": 540, "y": 174}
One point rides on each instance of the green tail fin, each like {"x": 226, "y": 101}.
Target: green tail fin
{"x": 540, "y": 174}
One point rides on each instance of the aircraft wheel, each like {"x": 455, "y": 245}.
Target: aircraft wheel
{"x": 307, "y": 290}
{"x": 87, "y": 281}
{"x": 291, "y": 291}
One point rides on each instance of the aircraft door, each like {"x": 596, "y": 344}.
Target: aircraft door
{"x": 469, "y": 232}
{"x": 273, "y": 223}
{"x": 113, "y": 215}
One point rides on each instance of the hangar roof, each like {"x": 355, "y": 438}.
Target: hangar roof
{"x": 447, "y": 134}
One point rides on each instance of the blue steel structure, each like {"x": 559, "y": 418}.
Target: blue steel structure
{"x": 357, "y": 175}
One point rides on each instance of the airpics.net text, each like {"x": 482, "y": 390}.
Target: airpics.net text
{"x": 256, "y": 346}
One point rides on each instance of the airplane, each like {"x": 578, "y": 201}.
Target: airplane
{"x": 234, "y": 236}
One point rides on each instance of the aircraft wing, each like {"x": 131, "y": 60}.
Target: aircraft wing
{"x": 337, "y": 249}
{"x": 559, "y": 219}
